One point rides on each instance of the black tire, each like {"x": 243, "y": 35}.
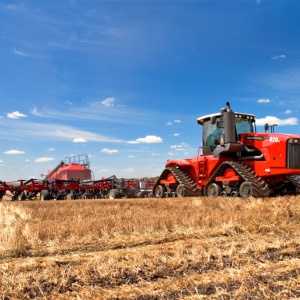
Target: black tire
{"x": 245, "y": 189}
{"x": 234, "y": 194}
{"x": 22, "y": 196}
{"x": 59, "y": 196}
{"x": 44, "y": 195}
{"x": 114, "y": 194}
{"x": 159, "y": 191}
{"x": 31, "y": 195}
{"x": 213, "y": 190}
{"x": 180, "y": 190}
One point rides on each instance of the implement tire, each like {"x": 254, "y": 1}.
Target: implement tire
{"x": 22, "y": 196}
{"x": 44, "y": 195}
{"x": 114, "y": 194}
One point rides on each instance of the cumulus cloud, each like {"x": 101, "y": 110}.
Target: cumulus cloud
{"x": 288, "y": 111}
{"x": 110, "y": 151}
{"x": 109, "y": 101}
{"x": 176, "y": 134}
{"x": 177, "y": 121}
{"x": 15, "y": 115}
{"x": 149, "y": 139}
{"x": 51, "y": 149}
{"x": 79, "y": 140}
{"x": 14, "y": 152}
{"x": 274, "y": 120}
{"x": 263, "y": 100}
{"x": 43, "y": 159}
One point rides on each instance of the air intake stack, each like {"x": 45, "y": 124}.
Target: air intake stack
{"x": 229, "y": 144}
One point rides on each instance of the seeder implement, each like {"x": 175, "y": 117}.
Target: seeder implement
{"x": 57, "y": 189}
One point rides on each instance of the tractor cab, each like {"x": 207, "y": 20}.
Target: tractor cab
{"x": 224, "y": 128}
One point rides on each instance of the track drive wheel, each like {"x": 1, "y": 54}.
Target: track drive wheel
{"x": 159, "y": 191}
{"x": 180, "y": 190}
{"x": 245, "y": 190}
{"x": 213, "y": 190}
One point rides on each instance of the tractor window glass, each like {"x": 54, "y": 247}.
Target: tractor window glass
{"x": 211, "y": 134}
{"x": 243, "y": 125}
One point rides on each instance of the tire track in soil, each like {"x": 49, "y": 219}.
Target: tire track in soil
{"x": 128, "y": 277}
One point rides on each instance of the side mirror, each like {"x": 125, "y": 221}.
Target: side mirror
{"x": 266, "y": 127}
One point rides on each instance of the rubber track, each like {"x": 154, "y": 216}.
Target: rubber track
{"x": 259, "y": 187}
{"x": 295, "y": 180}
{"x": 183, "y": 178}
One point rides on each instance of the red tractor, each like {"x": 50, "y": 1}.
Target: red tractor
{"x": 234, "y": 160}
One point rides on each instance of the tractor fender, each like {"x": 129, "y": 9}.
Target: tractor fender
{"x": 171, "y": 163}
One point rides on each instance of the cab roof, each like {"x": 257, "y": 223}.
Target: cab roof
{"x": 203, "y": 119}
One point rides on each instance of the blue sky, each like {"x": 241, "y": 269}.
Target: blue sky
{"x": 125, "y": 81}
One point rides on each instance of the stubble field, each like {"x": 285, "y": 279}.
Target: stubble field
{"x": 179, "y": 248}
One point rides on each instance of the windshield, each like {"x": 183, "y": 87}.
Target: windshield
{"x": 212, "y": 132}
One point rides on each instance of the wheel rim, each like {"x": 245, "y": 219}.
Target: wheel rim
{"x": 180, "y": 190}
{"x": 245, "y": 189}
{"x": 159, "y": 191}
{"x": 213, "y": 190}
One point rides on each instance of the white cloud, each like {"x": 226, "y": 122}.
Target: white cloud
{"x": 110, "y": 151}
{"x": 14, "y": 152}
{"x": 263, "y": 100}
{"x": 27, "y": 54}
{"x": 176, "y": 134}
{"x": 43, "y": 159}
{"x": 273, "y": 120}
{"x": 15, "y": 115}
{"x": 149, "y": 139}
{"x": 69, "y": 102}
{"x": 51, "y": 149}
{"x": 108, "y": 101}
{"x": 179, "y": 147}
{"x": 288, "y": 111}
{"x": 1, "y": 161}
{"x": 276, "y": 57}
{"x": 79, "y": 140}
{"x": 131, "y": 156}
{"x": 133, "y": 142}
{"x": 171, "y": 123}
{"x": 33, "y": 130}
